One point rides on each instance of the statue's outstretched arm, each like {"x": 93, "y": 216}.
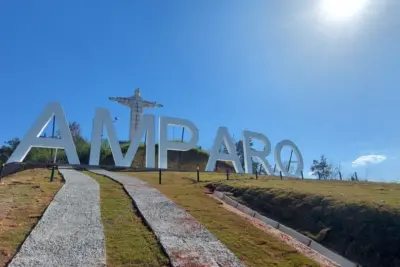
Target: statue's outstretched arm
{"x": 148, "y": 104}
{"x": 122, "y": 100}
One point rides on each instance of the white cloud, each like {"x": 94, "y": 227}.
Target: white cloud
{"x": 369, "y": 159}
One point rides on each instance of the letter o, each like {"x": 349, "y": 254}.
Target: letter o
{"x": 278, "y": 161}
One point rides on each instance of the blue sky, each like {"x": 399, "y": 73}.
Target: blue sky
{"x": 274, "y": 67}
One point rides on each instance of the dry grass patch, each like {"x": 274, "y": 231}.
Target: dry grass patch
{"x": 128, "y": 241}
{"x": 252, "y": 245}
{"x": 24, "y": 197}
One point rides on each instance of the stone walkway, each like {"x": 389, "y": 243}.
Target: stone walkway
{"x": 70, "y": 232}
{"x": 185, "y": 240}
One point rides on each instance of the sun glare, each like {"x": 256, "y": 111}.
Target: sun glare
{"x": 341, "y": 9}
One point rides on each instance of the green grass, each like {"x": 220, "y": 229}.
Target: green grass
{"x": 360, "y": 220}
{"x": 253, "y": 246}
{"x": 128, "y": 241}
{"x": 376, "y": 194}
{"x": 213, "y": 176}
{"x": 372, "y": 193}
{"x": 24, "y": 197}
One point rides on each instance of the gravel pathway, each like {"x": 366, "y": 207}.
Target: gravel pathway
{"x": 70, "y": 232}
{"x": 185, "y": 240}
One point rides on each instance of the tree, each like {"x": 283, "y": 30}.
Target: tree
{"x": 223, "y": 148}
{"x": 7, "y": 149}
{"x": 75, "y": 130}
{"x": 81, "y": 144}
{"x": 240, "y": 153}
{"x": 323, "y": 170}
{"x": 13, "y": 143}
{"x": 289, "y": 169}
{"x": 335, "y": 172}
{"x": 353, "y": 177}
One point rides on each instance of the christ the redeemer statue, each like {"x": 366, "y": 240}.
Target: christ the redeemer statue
{"x": 136, "y": 103}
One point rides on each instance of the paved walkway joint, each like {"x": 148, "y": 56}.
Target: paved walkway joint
{"x": 70, "y": 232}
{"x": 185, "y": 240}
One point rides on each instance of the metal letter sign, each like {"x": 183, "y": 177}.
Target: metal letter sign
{"x": 32, "y": 139}
{"x": 223, "y": 136}
{"x": 145, "y": 124}
{"x": 103, "y": 118}
{"x": 166, "y": 145}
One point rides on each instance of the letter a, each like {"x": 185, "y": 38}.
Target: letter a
{"x": 250, "y": 153}
{"x": 223, "y": 136}
{"x": 32, "y": 139}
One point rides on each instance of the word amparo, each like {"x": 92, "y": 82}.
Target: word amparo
{"x": 103, "y": 119}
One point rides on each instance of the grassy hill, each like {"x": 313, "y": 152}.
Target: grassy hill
{"x": 129, "y": 241}
{"x": 359, "y": 220}
{"x": 185, "y": 160}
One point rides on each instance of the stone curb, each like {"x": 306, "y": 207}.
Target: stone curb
{"x": 289, "y": 231}
{"x": 183, "y": 238}
{"x": 266, "y": 220}
{"x": 70, "y": 232}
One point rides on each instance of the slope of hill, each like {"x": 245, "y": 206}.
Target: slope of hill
{"x": 185, "y": 160}
{"x": 359, "y": 220}
{"x": 128, "y": 238}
